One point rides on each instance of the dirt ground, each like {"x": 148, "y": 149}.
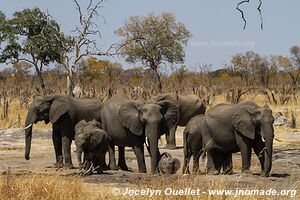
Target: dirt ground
{"x": 285, "y": 171}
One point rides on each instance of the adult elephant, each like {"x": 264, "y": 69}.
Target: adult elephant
{"x": 189, "y": 106}
{"x": 64, "y": 112}
{"x": 129, "y": 122}
{"x": 240, "y": 127}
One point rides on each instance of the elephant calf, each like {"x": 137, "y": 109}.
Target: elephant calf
{"x": 193, "y": 143}
{"x": 91, "y": 140}
{"x": 167, "y": 164}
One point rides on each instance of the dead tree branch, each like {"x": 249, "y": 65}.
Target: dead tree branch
{"x": 243, "y": 16}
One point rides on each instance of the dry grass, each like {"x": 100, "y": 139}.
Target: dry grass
{"x": 52, "y": 187}
{"x": 16, "y": 117}
{"x": 211, "y": 183}
{"x": 41, "y": 187}
{"x": 58, "y": 187}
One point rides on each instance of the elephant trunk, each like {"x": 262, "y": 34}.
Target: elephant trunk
{"x": 79, "y": 156}
{"x": 30, "y": 119}
{"x": 152, "y": 134}
{"x": 268, "y": 157}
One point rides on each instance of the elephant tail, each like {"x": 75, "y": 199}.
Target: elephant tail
{"x": 186, "y": 145}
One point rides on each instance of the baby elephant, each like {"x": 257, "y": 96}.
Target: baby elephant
{"x": 168, "y": 164}
{"x": 91, "y": 140}
{"x": 193, "y": 143}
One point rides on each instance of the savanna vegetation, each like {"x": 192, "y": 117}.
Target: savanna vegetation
{"x": 41, "y": 59}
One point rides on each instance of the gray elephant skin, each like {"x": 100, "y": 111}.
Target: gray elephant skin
{"x": 167, "y": 164}
{"x": 193, "y": 143}
{"x": 227, "y": 129}
{"x": 189, "y": 106}
{"x": 64, "y": 112}
{"x": 128, "y": 123}
{"x": 91, "y": 141}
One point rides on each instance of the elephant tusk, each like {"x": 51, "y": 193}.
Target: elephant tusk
{"x": 27, "y": 127}
{"x": 263, "y": 139}
{"x": 146, "y": 141}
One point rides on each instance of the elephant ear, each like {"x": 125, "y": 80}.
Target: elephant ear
{"x": 79, "y": 126}
{"x": 60, "y": 105}
{"x": 244, "y": 121}
{"x": 170, "y": 111}
{"x": 129, "y": 116}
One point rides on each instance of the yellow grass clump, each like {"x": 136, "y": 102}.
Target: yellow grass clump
{"x": 73, "y": 187}
{"x": 41, "y": 187}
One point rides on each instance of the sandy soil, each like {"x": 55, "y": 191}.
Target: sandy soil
{"x": 285, "y": 171}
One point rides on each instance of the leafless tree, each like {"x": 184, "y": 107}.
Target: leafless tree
{"x": 84, "y": 40}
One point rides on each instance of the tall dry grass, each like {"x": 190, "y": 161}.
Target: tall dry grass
{"x": 16, "y": 117}
{"x": 41, "y": 187}
{"x": 70, "y": 188}
{"x": 52, "y": 187}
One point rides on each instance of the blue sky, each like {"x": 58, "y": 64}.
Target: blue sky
{"x": 215, "y": 24}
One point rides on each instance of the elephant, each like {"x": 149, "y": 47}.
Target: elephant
{"x": 193, "y": 143}
{"x": 132, "y": 123}
{"x": 227, "y": 129}
{"x": 189, "y": 105}
{"x": 167, "y": 164}
{"x": 91, "y": 140}
{"x": 64, "y": 112}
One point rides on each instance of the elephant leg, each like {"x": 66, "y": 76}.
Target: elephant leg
{"x": 57, "y": 143}
{"x": 211, "y": 162}
{"x": 187, "y": 158}
{"x": 139, "y": 153}
{"x": 258, "y": 147}
{"x": 186, "y": 168}
{"x": 197, "y": 152}
{"x": 196, "y": 163}
{"x": 218, "y": 160}
{"x": 98, "y": 163}
{"x": 171, "y": 138}
{"x": 245, "y": 148}
{"x": 112, "y": 158}
{"x": 66, "y": 142}
{"x": 102, "y": 162}
{"x": 212, "y": 157}
{"x": 227, "y": 164}
{"x": 122, "y": 162}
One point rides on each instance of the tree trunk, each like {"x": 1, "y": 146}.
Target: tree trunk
{"x": 69, "y": 86}
{"x": 157, "y": 81}
{"x": 70, "y": 81}
{"x": 40, "y": 77}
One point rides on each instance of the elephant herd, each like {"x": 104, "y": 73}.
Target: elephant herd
{"x": 97, "y": 127}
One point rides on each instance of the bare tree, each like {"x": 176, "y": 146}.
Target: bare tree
{"x": 86, "y": 34}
